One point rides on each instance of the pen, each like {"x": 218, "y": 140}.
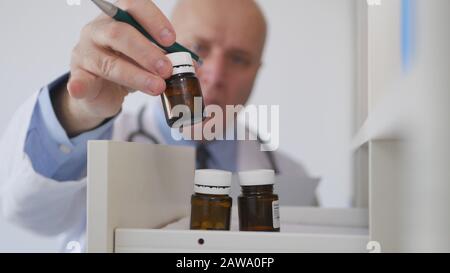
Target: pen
{"x": 123, "y": 16}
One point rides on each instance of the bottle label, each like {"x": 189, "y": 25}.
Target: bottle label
{"x": 276, "y": 214}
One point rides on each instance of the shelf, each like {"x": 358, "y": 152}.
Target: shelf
{"x": 302, "y": 230}
{"x": 388, "y": 121}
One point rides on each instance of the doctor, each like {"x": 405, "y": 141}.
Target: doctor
{"x": 43, "y": 170}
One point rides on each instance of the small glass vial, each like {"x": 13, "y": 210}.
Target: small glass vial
{"x": 211, "y": 203}
{"x": 182, "y": 88}
{"x": 258, "y": 206}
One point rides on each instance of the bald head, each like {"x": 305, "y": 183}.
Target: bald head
{"x": 243, "y": 19}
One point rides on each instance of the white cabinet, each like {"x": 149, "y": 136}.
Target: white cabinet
{"x": 401, "y": 145}
{"x": 135, "y": 200}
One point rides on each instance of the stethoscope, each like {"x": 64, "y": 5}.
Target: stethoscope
{"x": 141, "y": 133}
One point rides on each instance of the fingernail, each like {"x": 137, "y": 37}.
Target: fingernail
{"x": 167, "y": 36}
{"x": 162, "y": 67}
{"x": 150, "y": 86}
{"x": 153, "y": 86}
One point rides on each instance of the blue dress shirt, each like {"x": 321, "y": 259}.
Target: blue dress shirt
{"x": 54, "y": 155}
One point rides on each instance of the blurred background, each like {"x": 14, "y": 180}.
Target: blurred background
{"x": 309, "y": 70}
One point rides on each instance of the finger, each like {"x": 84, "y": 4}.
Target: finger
{"x": 116, "y": 69}
{"x": 127, "y": 40}
{"x": 152, "y": 20}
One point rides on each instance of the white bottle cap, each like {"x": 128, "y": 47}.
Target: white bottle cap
{"x": 257, "y": 177}
{"x": 212, "y": 182}
{"x": 182, "y": 62}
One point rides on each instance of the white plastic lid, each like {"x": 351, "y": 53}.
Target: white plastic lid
{"x": 212, "y": 181}
{"x": 182, "y": 62}
{"x": 257, "y": 177}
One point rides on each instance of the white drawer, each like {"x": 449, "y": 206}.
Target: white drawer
{"x": 302, "y": 230}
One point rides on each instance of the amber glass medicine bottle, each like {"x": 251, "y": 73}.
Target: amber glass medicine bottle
{"x": 257, "y": 205}
{"x": 211, "y": 203}
{"x": 182, "y": 88}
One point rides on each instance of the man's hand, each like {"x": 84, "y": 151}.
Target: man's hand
{"x": 111, "y": 59}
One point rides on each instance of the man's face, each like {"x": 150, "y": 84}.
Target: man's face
{"x": 229, "y": 36}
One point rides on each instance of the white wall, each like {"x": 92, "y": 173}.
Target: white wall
{"x": 308, "y": 71}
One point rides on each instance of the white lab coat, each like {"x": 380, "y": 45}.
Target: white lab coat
{"x": 49, "y": 207}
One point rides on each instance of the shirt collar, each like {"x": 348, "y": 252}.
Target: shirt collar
{"x": 223, "y": 152}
